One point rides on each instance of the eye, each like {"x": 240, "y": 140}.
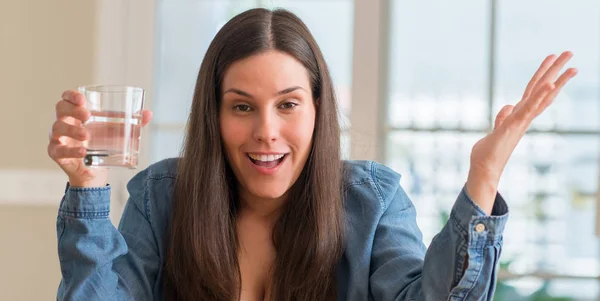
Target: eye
{"x": 288, "y": 105}
{"x": 242, "y": 108}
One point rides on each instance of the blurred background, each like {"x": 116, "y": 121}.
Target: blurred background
{"x": 418, "y": 81}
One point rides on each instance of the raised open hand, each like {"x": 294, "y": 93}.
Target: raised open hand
{"x": 490, "y": 154}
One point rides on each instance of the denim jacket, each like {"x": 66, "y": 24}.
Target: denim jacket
{"x": 384, "y": 259}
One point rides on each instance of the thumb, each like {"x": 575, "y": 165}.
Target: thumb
{"x": 504, "y": 112}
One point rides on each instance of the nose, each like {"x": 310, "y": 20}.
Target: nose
{"x": 266, "y": 127}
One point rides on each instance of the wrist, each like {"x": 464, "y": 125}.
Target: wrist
{"x": 86, "y": 185}
{"x": 97, "y": 177}
{"x": 482, "y": 191}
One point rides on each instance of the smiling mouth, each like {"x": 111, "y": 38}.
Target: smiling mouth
{"x": 270, "y": 161}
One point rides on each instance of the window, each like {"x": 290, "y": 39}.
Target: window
{"x": 184, "y": 31}
{"x": 448, "y": 68}
{"x": 454, "y": 65}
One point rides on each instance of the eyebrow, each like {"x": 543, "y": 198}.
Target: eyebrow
{"x": 246, "y": 94}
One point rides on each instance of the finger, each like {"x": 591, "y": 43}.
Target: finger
{"x": 67, "y": 109}
{"x": 553, "y": 71}
{"x": 63, "y": 129}
{"x": 58, "y": 151}
{"x": 560, "y": 82}
{"x": 548, "y": 76}
{"x": 504, "y": 112}
{"x": 74, "y": 97}
{"x": 538, "y": 74}
{"x": 146, "y": 117}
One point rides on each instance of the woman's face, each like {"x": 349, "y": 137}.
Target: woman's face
{"x": 267, "y": 118}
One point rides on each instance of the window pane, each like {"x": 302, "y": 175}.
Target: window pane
{"x": 345, "y": 145}
{"x": 528, "y": 31}
{"x": 551, "y": 181}
{"x": 185, "y": 29}
{"x": 434, "y": 167}
{"x": 550, "y": 184}
{"x": 439, "y": 63}
{"x": 167, "y": 143}
{"x": 536, "y": 289}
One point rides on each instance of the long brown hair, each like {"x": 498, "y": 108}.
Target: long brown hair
{"x": 202, "y": 246}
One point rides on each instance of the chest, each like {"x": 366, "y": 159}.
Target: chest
{"x": 256, "y": 257}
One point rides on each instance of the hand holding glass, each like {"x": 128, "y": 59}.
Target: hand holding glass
{"x": 98, "y": 126}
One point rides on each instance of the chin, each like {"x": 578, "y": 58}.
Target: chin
{"x": 268, "y": 192}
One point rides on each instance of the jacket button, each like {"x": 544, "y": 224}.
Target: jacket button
{"x": 480, "y": 228}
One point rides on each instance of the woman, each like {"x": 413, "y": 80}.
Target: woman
{"x": 260, "y": 206}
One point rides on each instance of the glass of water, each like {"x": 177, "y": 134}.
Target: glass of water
{"x": 114, "y": 126}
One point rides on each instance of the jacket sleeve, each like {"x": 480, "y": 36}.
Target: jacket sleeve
{"x": 401, "y": 268}
{"x": 99, "y": 261}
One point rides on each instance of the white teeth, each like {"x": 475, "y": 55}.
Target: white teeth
{"x": 266, "y": 158}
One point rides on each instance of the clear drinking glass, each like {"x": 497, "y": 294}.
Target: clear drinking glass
{"x": 114, "y": 126}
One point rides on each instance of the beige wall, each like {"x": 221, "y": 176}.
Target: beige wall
{"x": 28, "y": 260}
{"x": 45, "y": 48}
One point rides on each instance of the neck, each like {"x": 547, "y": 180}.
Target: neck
{"x": 262, "y": 208}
